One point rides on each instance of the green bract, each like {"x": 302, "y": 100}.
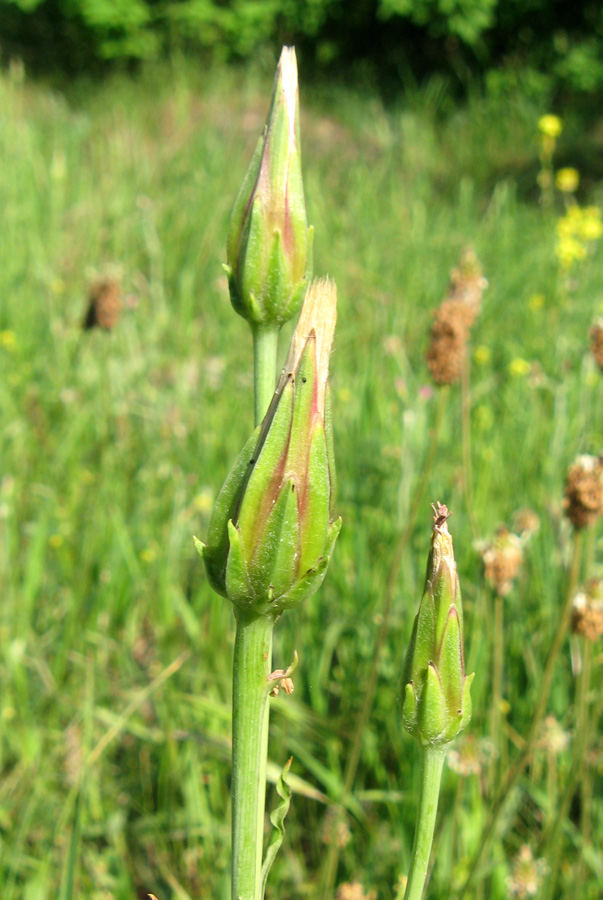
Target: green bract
{"x": 269, "y": 249}
{"x": 436, "y": 702}
{"x": 272, "y": 531}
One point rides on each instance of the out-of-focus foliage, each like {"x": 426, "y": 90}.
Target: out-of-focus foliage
{"x": 562, "y": 39}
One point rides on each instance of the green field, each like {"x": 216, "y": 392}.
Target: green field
{"x": 115, "y": 656}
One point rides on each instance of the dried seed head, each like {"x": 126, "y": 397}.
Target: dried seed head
{"x": 335, "y": 830}
{"x": 526, "y": 874}
{"x": 587, "y": 613}
{"x": 553, "y": 738}
{"x": 596, "y": 342}
{"x": 468, "y": 756}
{"x": 467, "y": 284}
{"x": 583, "y": 502}
{"x": 104, "y": 304}
{"x": 353, "y": 891}
{"x": 453, "y": 319}
{"x": 526, "y": 523}
{"x": 502, "y": 560}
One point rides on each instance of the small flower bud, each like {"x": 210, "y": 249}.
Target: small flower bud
{"x": 272, "y": 531}
{"x": 269, "y": 248}
{"x": 436, "y": 703}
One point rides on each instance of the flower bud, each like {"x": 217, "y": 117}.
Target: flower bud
{"x": 269, "y": 248}
{"x": 272, "y": 531}
{"x": 436, "y": 703}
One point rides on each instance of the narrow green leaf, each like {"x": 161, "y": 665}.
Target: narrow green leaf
{"x": 277, "y": 817}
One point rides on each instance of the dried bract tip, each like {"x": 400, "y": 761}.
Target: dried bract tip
{"x": 440, "y": 515}
{"x": 104, "y": 304}
{"x": 583, "y": 502}
{"x": 502, "y": 558}
{"x": 587, "y": 612}
{"x": 596, "y": 342}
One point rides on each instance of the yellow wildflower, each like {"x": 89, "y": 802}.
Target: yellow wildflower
{"x": 569, "y": 250}
{"x": 536, "y": 301}
{"x": 8, "y": 340}
{"x": 55, "y": 541}
{"x": 590, "y": 226}
{"x": 550, "y": 125}
{"x": 519, "y": 367}
{"x": 482, "y": 355}
{"x": 567, "y": 180}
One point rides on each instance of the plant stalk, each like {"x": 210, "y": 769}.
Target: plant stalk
{"x": 497, "y": 675}
{"x": 250, "y": 712}
{"x": 432, "y": 762}
{"x": 265, "y": 341}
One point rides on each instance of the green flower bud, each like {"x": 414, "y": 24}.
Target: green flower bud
{"x": 436, "y": 703}
{"x": 269, "y": 248}
{"x": 272, "y": 530}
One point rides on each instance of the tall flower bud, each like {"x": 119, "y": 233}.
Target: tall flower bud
{"x": 269, "y": 248}
{"x": 272, "y": 531}
{"x": 436, "y": 702}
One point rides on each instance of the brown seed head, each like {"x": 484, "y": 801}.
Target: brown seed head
{"x": 526, "y": 523}
{"x": 352, "y": 891}
{"x": 467, "y": 284}
{"x": 553, "y": 738}
{"x": 583, "y": 502}
{"x": 453, "y": 319}
{"x": 587, "y": 614}
{"x": 502, "y": 560}
{"x": 526, "y": 874}
{"x": 104, "y": 304}
{"x": 596, "y": 342}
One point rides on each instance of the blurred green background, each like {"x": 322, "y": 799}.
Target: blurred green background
{"x": 126, "y": 128}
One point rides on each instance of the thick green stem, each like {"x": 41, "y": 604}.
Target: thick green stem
{"x": 250, "y": 710}
{"x": 265, "y": 341}
{"x": 432, "y": 761}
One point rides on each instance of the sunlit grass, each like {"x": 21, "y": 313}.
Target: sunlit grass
{"x": 112, "y": 446}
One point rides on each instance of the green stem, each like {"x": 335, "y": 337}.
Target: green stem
{"x": 250, "y": 711}
{"x": 466, "y": 442}
{"x": 432, "y": 761}
{"x": 514, "y": 773}
{"x": 497, "y": 672}
{"x": 265, "y": 342}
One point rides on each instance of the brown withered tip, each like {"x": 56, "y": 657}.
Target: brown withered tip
{"x": 441, "y": 514}
{"x": 104, "y": 304}
{"x": 583, "y": 501}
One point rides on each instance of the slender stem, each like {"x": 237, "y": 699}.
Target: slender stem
{"x": 523, "y": 759}
{"x": 497, "y": 671}
{"x": 250, "y": 711}
{"x": 466, "y": 440}
{"x": 265, "y": 342}
{"x": 432, "y": 761}
{"x": 329, "y": 871}
{"x": 553, "y": 834}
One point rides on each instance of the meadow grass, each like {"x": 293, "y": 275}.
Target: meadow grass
{"x": 115, "y": 656}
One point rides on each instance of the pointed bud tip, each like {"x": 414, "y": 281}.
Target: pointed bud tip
{"x": 287, "y": 74}
{"x": 318, "y": 317}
